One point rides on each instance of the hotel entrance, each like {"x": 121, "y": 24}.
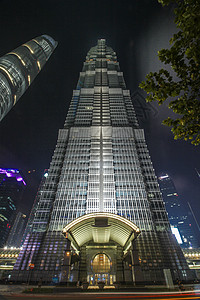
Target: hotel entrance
{"x": 106, "y": 278}
{"x": 101, "y": 266}
{"x": 101, "y": 241}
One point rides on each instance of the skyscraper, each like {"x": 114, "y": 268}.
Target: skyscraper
{"x": 17, "y": 231}
{"x": 12, "y": 185}
{"x": 34, "y": 207}
{"x": 19, "y": 68}
{"x": 100, "y": 215}
{"x": 177, "y": 213}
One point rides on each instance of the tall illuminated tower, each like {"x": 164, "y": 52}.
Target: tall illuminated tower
{"x": 100, "y": 213}
{"x": 19, "y": 68}
{"x": 177, "y": 213}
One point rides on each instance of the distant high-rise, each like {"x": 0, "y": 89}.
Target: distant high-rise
{"x": 12, "y": 185}
{"x": 29, "y": 225}
{"x": 19, "y": 68}
{"x": 100, "y": 214}
{"x": 17, "y": 231}
{"x": 177, "y": 213}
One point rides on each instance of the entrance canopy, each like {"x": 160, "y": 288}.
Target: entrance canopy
{"x": 101, "y": 228}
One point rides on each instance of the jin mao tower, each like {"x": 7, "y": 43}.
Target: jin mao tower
{"x": 100, "y": 214}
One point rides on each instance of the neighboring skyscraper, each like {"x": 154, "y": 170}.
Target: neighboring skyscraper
{"x": 19, "y": 68}
{"x": 34, "y": 208}
{"x": 178, "y": 216}
{"x": 12, "y": 185}
{"x": 101, "y": 193}
{"x": 17, "y": 231}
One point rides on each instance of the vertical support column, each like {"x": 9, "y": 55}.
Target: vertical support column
{"x": 65, "y": 269}
{"x": 168, "y": 278}
{"x": 83, "y": 265}
{"x": 127, "y": 262}
{"x": 136, "y": 267}
{"x": 119, "y": 265}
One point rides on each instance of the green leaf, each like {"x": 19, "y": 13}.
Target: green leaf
{"x": 184, "y": 59}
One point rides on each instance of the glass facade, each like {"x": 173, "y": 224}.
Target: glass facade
{"x": 19, "y": 68}
{"x": 101, "y": 164}
{"x": 12, "y": 186}
{"x": 17, "y": 231}
{"x": 177, "y": 213}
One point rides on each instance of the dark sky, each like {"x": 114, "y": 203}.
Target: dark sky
{"x": 136, "y": 30}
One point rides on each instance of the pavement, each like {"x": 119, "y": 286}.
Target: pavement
{"x": 149, "y": 292}
{"x": 104, "y": 296}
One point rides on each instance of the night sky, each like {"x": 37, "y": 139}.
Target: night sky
{"x": 136, "y": 30}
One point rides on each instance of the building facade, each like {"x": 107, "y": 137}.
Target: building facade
{"x": 100, "y": 216}
{"x": 8, "y": 257}
{"x": 12, "y": 186}
{"x": 29, "y": 224}
{"x": 19, "y": 68}
{"x": 179, "y": 218}
{"x": 17, "y": 231}
{"x": 193, "y": 259}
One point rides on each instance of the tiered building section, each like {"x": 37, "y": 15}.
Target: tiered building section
{"x": 101, "y": 179}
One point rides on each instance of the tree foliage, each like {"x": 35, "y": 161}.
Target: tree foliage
{"x": 184, "y": 59}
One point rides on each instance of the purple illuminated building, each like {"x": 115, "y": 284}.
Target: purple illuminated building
{"x": 12, "y": 185}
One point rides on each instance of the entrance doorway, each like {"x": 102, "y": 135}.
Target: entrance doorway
{"x": 95, "y": 278}
{"x": 101, "y": 267}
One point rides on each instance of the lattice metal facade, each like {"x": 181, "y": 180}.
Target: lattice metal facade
{"x": 19, "y": 68}
{"x": 101, "y": 164}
